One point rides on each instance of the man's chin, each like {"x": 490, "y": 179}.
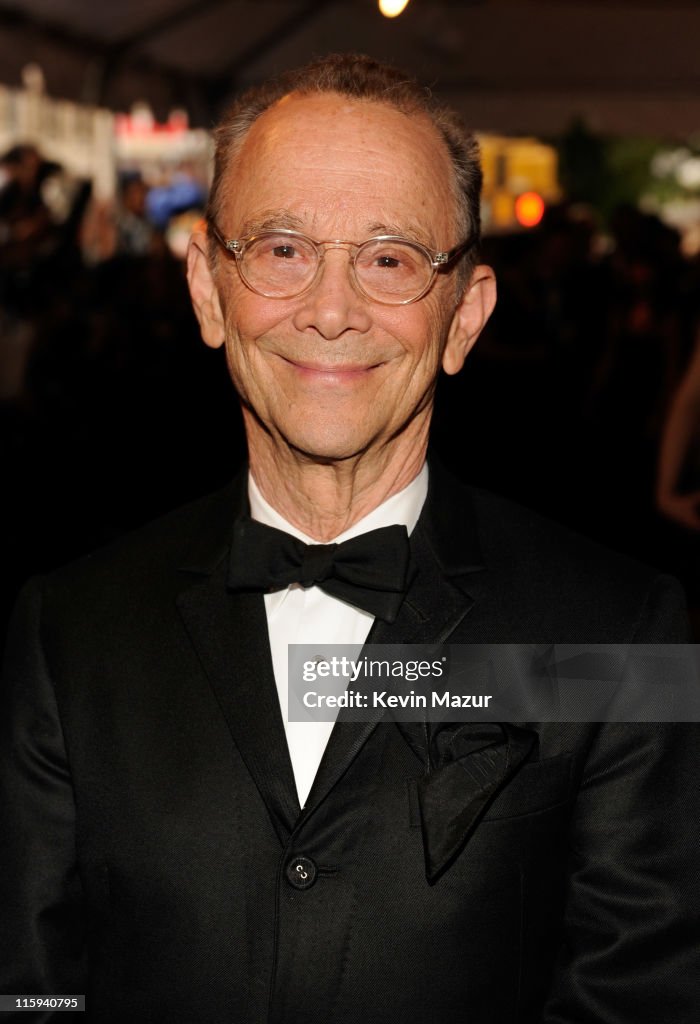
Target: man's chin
{"x": 325, "y": 453}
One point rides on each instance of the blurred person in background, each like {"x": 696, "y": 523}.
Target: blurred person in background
{"x": 26, "y": 237}
{"x": 120, "y": 228}
{"x": 678, "y": 481}
{"x": 678, "y": 487}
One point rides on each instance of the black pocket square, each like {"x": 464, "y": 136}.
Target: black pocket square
{"x": 468, "y": 765}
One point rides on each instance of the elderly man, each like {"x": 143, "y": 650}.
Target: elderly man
{"x": 176, "y": 849}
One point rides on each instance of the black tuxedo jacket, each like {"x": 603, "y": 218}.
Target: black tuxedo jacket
{"x": 154, "y": 855}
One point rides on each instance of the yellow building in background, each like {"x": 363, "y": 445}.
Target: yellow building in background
{"x": 511, "y": 168}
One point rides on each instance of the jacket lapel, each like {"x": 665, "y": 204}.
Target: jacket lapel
{"x": 464, "y": 774}
{"x": 229, "y": 632}
{"x": 444, "y": 552}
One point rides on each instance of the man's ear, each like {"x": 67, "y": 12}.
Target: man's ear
{"x": 203, "y": 291}
{"x": 474, "y": 309}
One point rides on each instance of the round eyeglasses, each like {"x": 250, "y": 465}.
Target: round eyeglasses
{"x": 282, "y": 264}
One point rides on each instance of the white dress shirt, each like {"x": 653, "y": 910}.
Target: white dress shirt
{"x": 307, "y": 616}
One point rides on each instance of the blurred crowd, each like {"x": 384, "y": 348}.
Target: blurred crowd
{"x": 566, "y": 404}
{"x": 112, "y": 411}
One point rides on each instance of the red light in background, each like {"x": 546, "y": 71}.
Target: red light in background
{"x": 529, "y": 209}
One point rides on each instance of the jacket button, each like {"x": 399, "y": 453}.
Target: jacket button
{"x": 301, "y": 872}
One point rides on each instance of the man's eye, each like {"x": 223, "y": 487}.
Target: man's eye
{"x": 391, "y": 262}
{"x": 285, "y": 252}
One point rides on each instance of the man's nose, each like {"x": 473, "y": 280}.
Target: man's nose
{"x": 333, "y": 305}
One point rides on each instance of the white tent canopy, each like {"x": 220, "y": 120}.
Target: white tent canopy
{"x": 520, "y": 66}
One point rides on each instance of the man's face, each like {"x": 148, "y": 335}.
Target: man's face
{"x": 331, "y": 373}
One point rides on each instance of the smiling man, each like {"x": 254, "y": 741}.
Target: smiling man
{"x": 172, "y": 845}
{"x": 335, "y": 348}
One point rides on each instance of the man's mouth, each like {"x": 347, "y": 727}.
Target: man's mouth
{"x": 332, "y": 372}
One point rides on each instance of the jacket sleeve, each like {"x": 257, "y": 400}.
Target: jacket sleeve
{"x": 631, "y": 946}
{"x": 42, "y": 938}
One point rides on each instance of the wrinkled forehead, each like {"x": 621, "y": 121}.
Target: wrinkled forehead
{"x": 332, "y": 149}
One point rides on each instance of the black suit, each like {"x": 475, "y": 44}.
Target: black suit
{"x": 152, "y": 824}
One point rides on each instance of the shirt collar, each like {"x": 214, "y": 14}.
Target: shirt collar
{"x": 402, "y": 509}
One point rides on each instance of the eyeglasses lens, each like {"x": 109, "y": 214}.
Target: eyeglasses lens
{"x": 392, "y": 271}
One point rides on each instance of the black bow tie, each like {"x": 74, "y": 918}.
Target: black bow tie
{"x": 369, "y": 571}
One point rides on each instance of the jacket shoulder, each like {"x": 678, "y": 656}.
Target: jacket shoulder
{"x": 149, "y": 562}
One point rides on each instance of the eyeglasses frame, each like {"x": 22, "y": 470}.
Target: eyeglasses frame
{"x": 236, "y": 247}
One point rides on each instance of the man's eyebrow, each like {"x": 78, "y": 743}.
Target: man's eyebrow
{"x": 271, "y": 219}
{"x": 409, "y": 230}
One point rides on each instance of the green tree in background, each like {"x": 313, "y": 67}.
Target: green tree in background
{"x": 608, "y": 171}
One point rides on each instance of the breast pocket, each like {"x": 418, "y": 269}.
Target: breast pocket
{"x": 538, "y": 786}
